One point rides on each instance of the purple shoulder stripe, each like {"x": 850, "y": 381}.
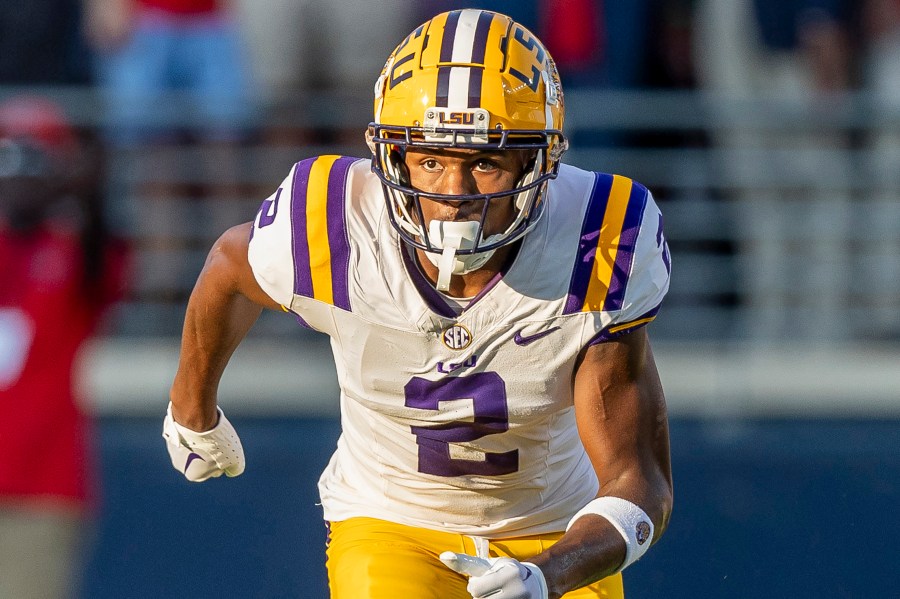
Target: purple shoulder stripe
{"x": 634, "y": 214}
{"x": 338, "y": 240}
{"x": 587, "y": 245}
{"x": 299, "y": 237}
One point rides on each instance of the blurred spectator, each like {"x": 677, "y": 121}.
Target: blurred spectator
{"x": 574, "y": 34}
{"x": 40, "y": 43}
{"x": 300, "y": 48}
{"x": 595, "y": 43}
{"x": 880, "y": 269}
{"x": 781, "y": 48}
{"x": 175, "y": 80}
{"x": 618, "y": 30}
{"x": 524, "y": 12}
{"x": 150, "y": 50}
{"x": 671, "y": 33}
{"x": 60, "y": 271}
{"x": 774, "y": 67}
{"x": 599, "y": 43}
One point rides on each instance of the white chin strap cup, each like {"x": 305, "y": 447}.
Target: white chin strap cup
{"x": 450, "y": 237}
{"x": 447, "y": 262}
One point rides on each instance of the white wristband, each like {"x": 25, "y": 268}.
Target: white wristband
{"x": 631, "y": 521}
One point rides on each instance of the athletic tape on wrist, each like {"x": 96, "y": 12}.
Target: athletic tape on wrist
{"x": 631, "y": 521}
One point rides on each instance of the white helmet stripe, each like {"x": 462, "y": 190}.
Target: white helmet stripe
{"x": 464, "y": 40}
{"x": 458, "y": 98}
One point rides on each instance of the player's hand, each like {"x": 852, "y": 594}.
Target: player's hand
{"x": 500, "y": 577}
{"x": 200, "y": 456}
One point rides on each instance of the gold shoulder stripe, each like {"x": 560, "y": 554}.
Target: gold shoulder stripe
{"x": 607, "y": 244}
{"x": 317, "y": 228}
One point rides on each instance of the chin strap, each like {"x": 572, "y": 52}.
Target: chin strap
{"x": 450, "y": 237}
{"x": 447, "y": 262}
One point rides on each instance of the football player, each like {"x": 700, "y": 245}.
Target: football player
{"x": 62, "y": 269}
{"x": 504, "y": 429}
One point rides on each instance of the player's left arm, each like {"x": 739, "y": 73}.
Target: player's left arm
{"x": 620, "y": 412}
{"x": 621, "y": 415}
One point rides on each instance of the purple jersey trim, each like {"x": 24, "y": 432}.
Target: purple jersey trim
{"x": 631, "y": 226}
{"x": 299, "y": 239}
{"x": 623, "y": 329}
{"x": 490, "y": 285}
{"x": 337, "y": 232}
{"x": 587, "y": 245}
{"x": 433, "y": 297}
{"x": 430, "y": 295}
{"x": 302, "y": 322}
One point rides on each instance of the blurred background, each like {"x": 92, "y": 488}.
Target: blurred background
{"x": 768, "y": 131}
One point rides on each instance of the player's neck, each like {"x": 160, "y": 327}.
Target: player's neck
{"x": 473, "y": 283}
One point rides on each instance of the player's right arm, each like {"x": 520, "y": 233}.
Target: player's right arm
{"x": 224, "y": 304}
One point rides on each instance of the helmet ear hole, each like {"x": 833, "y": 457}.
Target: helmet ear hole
{"x": 370, "y": 138}
{"x": 530, "y": 163}
{"x": 397, "y": 158}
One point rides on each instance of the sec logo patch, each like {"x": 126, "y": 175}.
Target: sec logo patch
{"x": 457, "y": 337}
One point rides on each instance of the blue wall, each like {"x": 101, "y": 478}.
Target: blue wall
{"x": 763, "y": 509}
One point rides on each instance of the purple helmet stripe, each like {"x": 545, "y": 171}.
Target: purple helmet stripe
{"x": 587, "y": 246}
{"x": 337, "y": 232}
{"x": 442, "y": 97}
{"x": 625, "y": 253}
{"x": 475, "y": 75}
{"x": 482, "y": 28}
{"x": 449, "y": 36}
{"x": 299, "y": 238}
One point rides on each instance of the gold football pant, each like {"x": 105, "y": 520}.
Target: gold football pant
{"x": 375, "y": 559}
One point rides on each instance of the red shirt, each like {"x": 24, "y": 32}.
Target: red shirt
{"x": 45, "y": 318}
{"x": 183, "y": 7}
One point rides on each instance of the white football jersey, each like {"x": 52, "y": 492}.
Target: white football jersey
{"x": 459, "y": 423}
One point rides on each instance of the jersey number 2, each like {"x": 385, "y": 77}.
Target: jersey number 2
{"x": 487, "y": 391}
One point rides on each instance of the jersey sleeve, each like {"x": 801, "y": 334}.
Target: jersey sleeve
{"x": 269, "y": 254}
{"x": 647, "y": 281}
{"x": 623, "y": 264}
{"x": 299, "y": 246}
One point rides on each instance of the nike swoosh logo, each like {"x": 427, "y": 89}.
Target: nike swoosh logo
{"x": 193, "y": 456}
{"x": 523, "y": 340}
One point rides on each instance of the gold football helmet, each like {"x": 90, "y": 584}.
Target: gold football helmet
{"x": 467, "y": 79}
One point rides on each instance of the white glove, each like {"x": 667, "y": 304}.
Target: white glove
{"x": 200, "y": 456}
{"x": 499, "y": 577}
